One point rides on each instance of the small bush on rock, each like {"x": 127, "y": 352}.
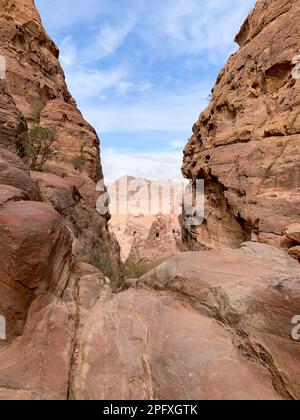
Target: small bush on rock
{"x": 135, "y": 270}
{"x": 99, "y": 257}
{"x": 37, "y": 146}
{"x": 79, "y": 162}
{"x": 37, "y": 108}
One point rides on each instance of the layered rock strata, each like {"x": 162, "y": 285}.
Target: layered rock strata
{"x": 246, "y": 144}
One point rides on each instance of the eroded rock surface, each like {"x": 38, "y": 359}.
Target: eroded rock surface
{"x": 35, "y": 241}
{"x": 35, "y": 245}
{"x": 35, "y": 89}
{"x": 33, "y": 73}
{"x": 146, "y": 220}
{"x": 207, "y": 325}
{"x": 192, "y": 324}
{"x": 246, "y": 144}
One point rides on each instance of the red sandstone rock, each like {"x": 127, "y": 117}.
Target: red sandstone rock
{"x": 208, "y": 325}
{"x": 35, "y": 250}
{"x": 295, "y": 252}
{"x": 246, "y": 143}
{"x": 254, "y": 292}
{"x": 33, "y": 74}
{"x": 12, "y": 122}
{"x": 36, "y": 365}
{"x": 15, "y": 174}
{"x": 293, "y": 232}
{"x": 155, "y": 347}
{"x": 153, "y": 234}
{"x": 8, "y": 193}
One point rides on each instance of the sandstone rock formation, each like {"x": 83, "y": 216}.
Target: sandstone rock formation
{"x": 33, "y": 74}
{"x": 44, "y": 216}
{"x": 35, "y": 245}
{"x": 146, "y": 220}
{"x": 213, "y": 324}
{"x": 246, "y": 144}
{"x": 34, "y": 78}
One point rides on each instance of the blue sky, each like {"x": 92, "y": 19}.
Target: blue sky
{"x": 141, "y": 71}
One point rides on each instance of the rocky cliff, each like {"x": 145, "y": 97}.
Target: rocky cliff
{"x": 45, "y": 217}
{"x": 246, "y": 144}
{"x": 216, "y": 324}
{"x": 33, "y": 73}
{"x": 34, "y": 78}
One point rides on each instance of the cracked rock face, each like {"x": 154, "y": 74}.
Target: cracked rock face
{"x": 35, "y": 245}
{"x": 246, "y": 144}
{"x": 200, "y": 326}
{"x": 254, "y": 293}
{"x": 44, "y": 216}
{"x": 34, "y": 75}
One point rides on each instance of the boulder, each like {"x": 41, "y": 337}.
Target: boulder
{"x": 35, "y": 251}
{"x": 254, "y": 291}
{"x": 14, "y": 173}
{"x": 36, "y": 365}
{"x": 147, "y": 345}
{"x": 293, "y": 232}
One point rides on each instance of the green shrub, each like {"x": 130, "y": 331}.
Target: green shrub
{"x": 37, "y": 108}
{"x": 37, "y": 146}
{"x": 99, "y": 257}
{"x": 135, "y": 270}
{"x": 79, "y": 162}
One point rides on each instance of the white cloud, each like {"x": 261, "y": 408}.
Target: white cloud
{"x": 185, "y": 27}
{"x": 68, "y": 52}
{"x": 99, "y": 41}
{"x": 177, "y": 144}
{"x": 172, "y": 112}
{"x": 86, "y": 83}
{"x": 171, "y": 27}
{"x": 154, "y": 165}
{"x": 62, "y": 14}
{"x": 107, "y": 42}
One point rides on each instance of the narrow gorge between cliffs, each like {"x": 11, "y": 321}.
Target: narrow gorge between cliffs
{"x": 134, "y": 287}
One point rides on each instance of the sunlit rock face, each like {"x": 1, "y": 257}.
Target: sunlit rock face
{"x": 246, "y": 144}
{"x": 47, "y": 217}
{"x": 33, "y": 73}
{"x": 145, "y": 219}
{"x": 200, "y": 326}
{"x": 34, "y": 79}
